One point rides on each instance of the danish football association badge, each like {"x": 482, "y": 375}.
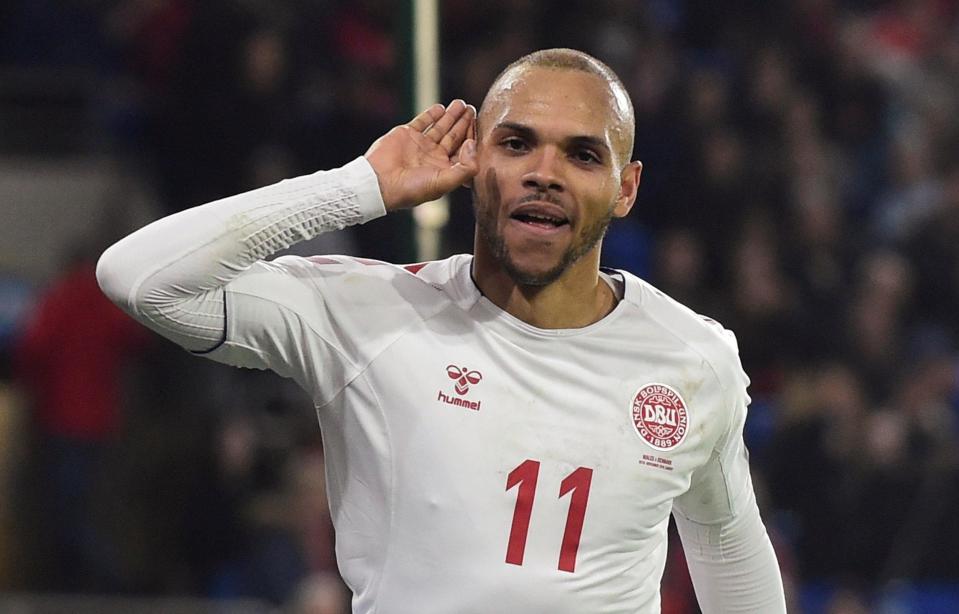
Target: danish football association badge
{"x": 660, "y": 416}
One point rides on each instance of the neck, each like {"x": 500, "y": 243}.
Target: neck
{"x": 577, "y": 299}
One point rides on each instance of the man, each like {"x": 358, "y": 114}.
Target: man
{"x": 71, "y": 359}
{"x": 506, "y": 432}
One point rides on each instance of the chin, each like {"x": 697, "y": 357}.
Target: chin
{"x": 534, "y": 275}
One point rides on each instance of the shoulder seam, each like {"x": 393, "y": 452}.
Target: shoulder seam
{"x": 339, "y": 351}
{"x": 361, "y": 371}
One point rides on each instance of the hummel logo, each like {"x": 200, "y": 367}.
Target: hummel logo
{"x": 464, "y": 377}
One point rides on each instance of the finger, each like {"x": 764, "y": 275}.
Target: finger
{"x": 458, "y": 132}
{"x": 441, "y": 126}
{"x": 422, "y": 121}
{"x": 471, "y": 133}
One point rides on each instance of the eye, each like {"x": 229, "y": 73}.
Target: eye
{"x": 514, "y": 144}
{"x": 586, "y": 156}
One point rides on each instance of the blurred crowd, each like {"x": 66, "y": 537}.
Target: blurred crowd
{"x": 801, "y": 186}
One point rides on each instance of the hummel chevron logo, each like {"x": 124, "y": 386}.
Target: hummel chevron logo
{"x": 463, "y": 378}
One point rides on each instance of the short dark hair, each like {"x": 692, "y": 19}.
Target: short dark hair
{"x": 570, "y": 59}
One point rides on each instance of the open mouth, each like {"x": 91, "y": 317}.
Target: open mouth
{"x": 540, "y": 220}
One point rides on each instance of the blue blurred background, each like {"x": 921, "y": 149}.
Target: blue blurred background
{"x": 801, "y": 186}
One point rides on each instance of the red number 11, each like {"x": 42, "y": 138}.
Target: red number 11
{"x": 525, "y": 475}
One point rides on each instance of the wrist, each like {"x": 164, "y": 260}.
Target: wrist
{"x": 362, "y": 176}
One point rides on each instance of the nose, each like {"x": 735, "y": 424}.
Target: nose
{"x": 544, "y": 173}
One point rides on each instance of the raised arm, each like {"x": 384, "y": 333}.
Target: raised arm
{"x": 171, "y": 274}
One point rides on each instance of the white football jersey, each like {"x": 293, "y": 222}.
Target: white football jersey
{"x": 476, "y": 464}
{"x": 479, "y": 464}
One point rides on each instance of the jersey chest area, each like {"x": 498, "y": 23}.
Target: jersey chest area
{"x": 559, "y": 397}
{"x": 543, "y": 446}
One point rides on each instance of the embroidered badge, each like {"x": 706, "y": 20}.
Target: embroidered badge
{"x": 660, "y": 417}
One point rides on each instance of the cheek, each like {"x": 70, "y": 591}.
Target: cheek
{"x": 493, "y": 194}
{"x": 488, "y": 194}
{"x": 597, "y": 198}
{"x": 609, "y": 193}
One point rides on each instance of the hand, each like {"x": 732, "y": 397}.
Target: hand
{"x": 426, "y": 158}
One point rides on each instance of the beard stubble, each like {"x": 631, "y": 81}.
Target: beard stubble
{"x": 487, "y": 227}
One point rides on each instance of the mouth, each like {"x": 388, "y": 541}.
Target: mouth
{"x": 543, "y": 216}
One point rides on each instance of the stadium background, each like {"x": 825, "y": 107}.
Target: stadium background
{"x": 801, "y": 186}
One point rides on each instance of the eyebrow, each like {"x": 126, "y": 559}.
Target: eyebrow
{"x": 579, "y": 140}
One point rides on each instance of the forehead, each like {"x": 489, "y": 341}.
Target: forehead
{"x": 557, "y": 100}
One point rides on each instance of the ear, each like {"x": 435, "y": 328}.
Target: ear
{"x": 628, "y": 186}
{"x": 471, "y": 134}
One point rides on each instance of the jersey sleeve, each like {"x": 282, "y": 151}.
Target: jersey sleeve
{"x": 183, "y": 274}
{"x": 730, "y": 556}
{"x": 322, "y": 320}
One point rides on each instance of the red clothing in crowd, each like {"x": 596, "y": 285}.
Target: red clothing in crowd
{"x": 71, "y": 356}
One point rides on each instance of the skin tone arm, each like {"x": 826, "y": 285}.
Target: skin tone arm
{"x": 427, "y": 157}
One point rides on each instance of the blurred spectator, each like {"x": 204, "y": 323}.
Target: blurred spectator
{"x": 812, "y": 466}
{"x": 679, "y": 270}
{"x": 915, "y": 191}
{"x": 222, "y": 127}
{"x": 876, "y": 312}
{"x": 934, "y": 248}
{"x": 761, "y": 308}
{"x": 71, "y": 360}
{"x": 818, "y": 256}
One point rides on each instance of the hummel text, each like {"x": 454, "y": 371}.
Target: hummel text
{"x": 474, "y": 405}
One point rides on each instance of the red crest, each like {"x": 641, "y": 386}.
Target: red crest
{"x": 660, "y": 417}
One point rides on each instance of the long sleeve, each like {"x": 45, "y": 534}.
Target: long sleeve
{"x": 732, "y": 564}
{"x": 730, "y": 556}
{"x": 171, "y": 274}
